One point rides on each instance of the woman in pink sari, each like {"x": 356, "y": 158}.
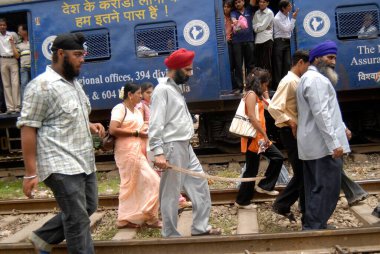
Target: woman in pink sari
{"x": 139, "y": 183}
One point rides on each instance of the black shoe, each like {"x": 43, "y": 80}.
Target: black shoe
{"x": 329, "y": 226}
{"x": 289, "y": 215}
{"x": 357, "y": 200}
{"x": 376, "y": 212}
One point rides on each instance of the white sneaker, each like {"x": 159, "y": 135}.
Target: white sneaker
{"x": 249, "y": 207}
{"x": 272, "y": 192}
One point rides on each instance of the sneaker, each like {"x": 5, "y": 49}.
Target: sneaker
{"x": 272, "y": 192}
{"x": 248, "y": 207}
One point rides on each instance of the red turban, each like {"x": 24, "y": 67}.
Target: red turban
{"x": 179, "y": 59}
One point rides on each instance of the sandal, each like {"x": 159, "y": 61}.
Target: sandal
{"x": 213, "y": 231}
{"x": 128, "y": 225}
{"x": 157, "y": 224}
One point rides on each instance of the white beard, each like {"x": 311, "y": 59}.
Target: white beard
{"x": 328, "y": 72}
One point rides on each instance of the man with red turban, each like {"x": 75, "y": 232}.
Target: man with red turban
{"x": 170, "y": 131}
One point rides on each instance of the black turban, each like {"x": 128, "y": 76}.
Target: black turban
{"x": 69, "y": 41}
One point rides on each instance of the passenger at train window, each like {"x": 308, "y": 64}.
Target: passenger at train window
{"x": 57, "y": 147}
{"x": 9, "y": 68}
{"x": 242, "y": 41}
{"x": 227, "y": 8}
{"x": 23, "y": 48}
{"x": 282, "y": 31}
{"x": 321, "y": 136}
{"x": 256, "y": 100}
{"x": 170, "y": 131}
{"x": 368, "y": 29}
{"x": 144, "y": 51}
{"x": 138, "y": 195}
{"x": 263, "y": 27}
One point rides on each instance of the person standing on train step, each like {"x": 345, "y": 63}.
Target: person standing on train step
{"x": 321, "y": 136}
{"x": 56, "y": 138}
{"x": 283, "y": 108}
{"x": 263, "y": 27}
{"x": 170, "y": 131}
{"x": 9, "y": 68}
{"x": 23, "y": 48}
{"x": 242, "y": 41}
{"x": 282, "y": 31}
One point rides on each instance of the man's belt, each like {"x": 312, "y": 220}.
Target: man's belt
{"x": 7, "y": 56}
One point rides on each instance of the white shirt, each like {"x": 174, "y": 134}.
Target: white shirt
{"x": 5, "y": 45}
{"x": 263, "y": 25}
{"x": 282, "y": 26}
{"x": 320, "y": 125}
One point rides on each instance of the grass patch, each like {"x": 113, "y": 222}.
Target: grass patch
{"x": 108, "y": 185}
{"x": 223, "y": 173}
{"x": 146, "y": 233}
{"x": 12, "y": 189}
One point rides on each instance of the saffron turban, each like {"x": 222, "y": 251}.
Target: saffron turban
{"x": 179, "y": 59}
{"x": 322, "y": 49}
{"x": 69, "y": 41}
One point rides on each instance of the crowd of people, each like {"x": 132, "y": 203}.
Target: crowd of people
{"x": 15, "y": 62}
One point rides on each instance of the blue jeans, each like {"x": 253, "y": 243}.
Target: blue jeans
{"x": 24, "y": 79}
{"x": 77, "y": 197}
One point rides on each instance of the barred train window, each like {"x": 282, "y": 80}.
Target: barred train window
{"x": 155, "y": 39}
{"x": 98, "y": 45}
{"x": 360, "y": 22}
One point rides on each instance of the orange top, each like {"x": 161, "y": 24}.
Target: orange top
{"x": 254, "y": 145}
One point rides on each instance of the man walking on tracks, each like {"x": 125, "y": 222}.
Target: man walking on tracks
{"x": 170, "y": 131}
{"x": 57, "y": 145}
{"x": 321, "y": 136}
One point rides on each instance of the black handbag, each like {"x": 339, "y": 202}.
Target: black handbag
{"x": 108, "y": 142}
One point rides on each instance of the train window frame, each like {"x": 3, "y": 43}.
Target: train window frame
{"x": 105, "y": 45}
{"x": 146, "y": 38}
{"x": 346, "y": 17}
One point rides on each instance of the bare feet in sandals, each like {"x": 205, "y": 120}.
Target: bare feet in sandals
{"x": 157, "y": 224}
{"x": 127, "y": 225}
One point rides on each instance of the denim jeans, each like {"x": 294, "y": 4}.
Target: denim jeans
{"x": 24, "y": 79}
{"x": 77, "y": 197}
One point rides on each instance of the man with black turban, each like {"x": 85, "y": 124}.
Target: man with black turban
{"x": 170, "y": 131}
{"x": 57, "y": 147}
{"x": 321, "y": 136}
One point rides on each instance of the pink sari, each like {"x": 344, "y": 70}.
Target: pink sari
{"x": 139, "y": 183}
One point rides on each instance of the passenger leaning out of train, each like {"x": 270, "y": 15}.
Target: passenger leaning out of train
{"x": 139, "y": 184}
{"x": 256, "y": 100}
{"x": 321, "y": 136}
{"x": 9, "y": 68}
{"x": 170, "y": 131}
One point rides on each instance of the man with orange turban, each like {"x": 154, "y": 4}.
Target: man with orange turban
{"x": 170, "y": 131}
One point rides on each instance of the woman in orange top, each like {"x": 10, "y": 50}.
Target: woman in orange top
{"x": 257, "y": 96}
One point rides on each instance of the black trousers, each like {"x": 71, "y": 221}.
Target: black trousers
{"x": 243, "y": 52}
{"x": 280, "y": 60}
{"x": 322, "y": 187}
{"x": 295, "y": 187}
{"x": 263, "y": 55}
{"x": 252, "y": 161}
{"x": 232, "y": 65}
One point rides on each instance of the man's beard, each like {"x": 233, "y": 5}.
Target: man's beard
{"x": 328, "y": 71}
{"x": 180, "y": 77}
{"x": 68, "y": 69}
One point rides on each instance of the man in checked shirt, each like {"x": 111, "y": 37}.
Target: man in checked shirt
{"x": 57, "y": 147}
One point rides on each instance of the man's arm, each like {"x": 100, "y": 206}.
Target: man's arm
{"x": 29, "y": 151}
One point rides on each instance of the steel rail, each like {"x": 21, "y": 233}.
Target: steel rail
{"x": 306, "y": 241}
{"x": 223, "y": 196}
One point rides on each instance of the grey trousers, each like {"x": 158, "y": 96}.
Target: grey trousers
{"x": 181, "y": 154}
{"x": 11, "y": 83}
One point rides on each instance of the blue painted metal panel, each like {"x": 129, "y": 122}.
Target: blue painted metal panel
{"x": 358, "y": 59}
{"x": 196, "y": 30}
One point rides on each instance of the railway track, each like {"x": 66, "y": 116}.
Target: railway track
{"x": 226, "y": 196}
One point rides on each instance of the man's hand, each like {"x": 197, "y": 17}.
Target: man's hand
{"x": 28, "y": 186}
{"x": 338, "y": 152}
{"x": 296, "y": 13}
{"x": 97, "y": 128}
{"x": 293, "y": 126}
{"x": 348, "y": 134}
{"x": 160, "y": 161}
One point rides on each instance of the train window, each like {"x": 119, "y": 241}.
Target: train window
{"x": 98, "y": 45}
{"x": 360, "y": 22}
{"x": 155, "y": 39}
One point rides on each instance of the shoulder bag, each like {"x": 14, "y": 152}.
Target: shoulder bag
{"x": 108, "y": 142}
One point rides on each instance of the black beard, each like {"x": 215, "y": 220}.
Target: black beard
{"x": 180, "y": 77}
{"x": 68, "y": 69}
{"x": 328, "y": 71}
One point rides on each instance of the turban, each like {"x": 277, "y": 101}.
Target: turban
{"x": 69, "y": 41}
{"x": 179, "y": 59}
{"x": 322, "y": 49}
